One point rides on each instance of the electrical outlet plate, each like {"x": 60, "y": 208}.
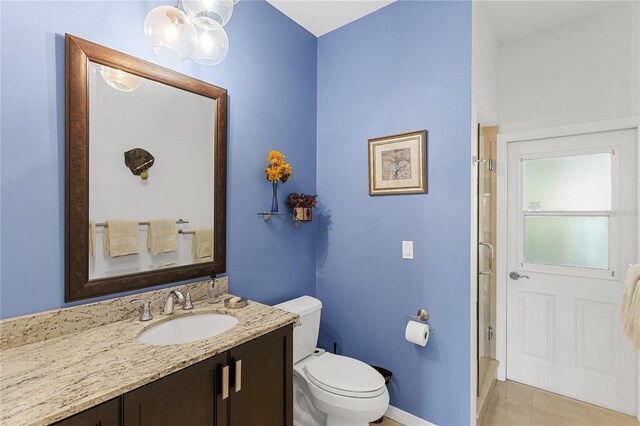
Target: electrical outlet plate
{"x": 407, "y": 249}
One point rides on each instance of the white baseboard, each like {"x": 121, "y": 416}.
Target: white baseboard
{"x": 405, "y": 418}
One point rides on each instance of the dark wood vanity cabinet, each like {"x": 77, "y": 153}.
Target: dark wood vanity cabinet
{"x": 105, "y": 414}
{"x": 249, "y": 385}
{"x": 187, "y": 397}
{"x": 262, "y": 381}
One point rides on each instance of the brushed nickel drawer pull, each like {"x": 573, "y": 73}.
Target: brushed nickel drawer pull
{"x": 225, "y": 382}
{"x": 238, "y": 375}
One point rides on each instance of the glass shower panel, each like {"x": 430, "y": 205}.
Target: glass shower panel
{"x": 486, "y": 255}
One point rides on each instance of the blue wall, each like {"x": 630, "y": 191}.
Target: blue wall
{"x": 270, "y": 74}
{"x": 405, "y": 67}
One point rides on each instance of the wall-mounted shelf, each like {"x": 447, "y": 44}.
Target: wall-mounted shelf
{"x": 267, "y": 215}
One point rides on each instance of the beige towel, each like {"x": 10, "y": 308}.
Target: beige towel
{"x": 92, "y": 237}
{"x": 202, "y": 246}
{"x": 630, "y": 283}
{"x": 162, "y": 236}
{"x": 121, "y": 238}
{"x": 630, "y": 312}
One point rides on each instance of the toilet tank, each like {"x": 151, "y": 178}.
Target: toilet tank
{"x": 305, "y": 335}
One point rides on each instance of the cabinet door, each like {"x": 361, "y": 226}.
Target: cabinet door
{"x": 105, "y": 414}
{"x": 262, "y": 381}
{"x": 192, "y": 396}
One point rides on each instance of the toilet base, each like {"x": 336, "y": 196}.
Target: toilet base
{"x": 336, "y": 421}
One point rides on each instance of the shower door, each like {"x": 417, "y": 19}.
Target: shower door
{"x": 486, "y": 248}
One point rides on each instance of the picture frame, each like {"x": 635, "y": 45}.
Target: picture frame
{"x": 398, "y": 164}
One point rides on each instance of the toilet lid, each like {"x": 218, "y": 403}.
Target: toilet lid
{"x": 344, "y": 374}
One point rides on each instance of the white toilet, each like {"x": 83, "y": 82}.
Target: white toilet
{"x": 331, "y": 390}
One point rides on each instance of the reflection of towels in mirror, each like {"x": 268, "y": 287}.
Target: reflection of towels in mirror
{"x": 162, "y": 236}
{"x": 630, "y": 312}
{"x": 121, "y": 238}
{"x": 202, "y": 246}
{"x": 92, "y": 237}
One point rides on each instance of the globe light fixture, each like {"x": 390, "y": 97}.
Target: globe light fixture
{"x": 170, "y": 33}
{"x": 197, "y": 32}
{"x": 213, "y": 44}
{"x": 208, "y": 12}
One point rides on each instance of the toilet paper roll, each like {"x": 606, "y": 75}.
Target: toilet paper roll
{"x": 417, "y": 333}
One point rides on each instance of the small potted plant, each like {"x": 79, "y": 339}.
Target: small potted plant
{"x": 302, "y": 205}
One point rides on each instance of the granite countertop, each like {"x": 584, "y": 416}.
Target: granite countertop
{"x": 52, "y": 379}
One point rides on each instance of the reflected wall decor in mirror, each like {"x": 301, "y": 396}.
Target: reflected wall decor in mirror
{"x": 145, "y": 173}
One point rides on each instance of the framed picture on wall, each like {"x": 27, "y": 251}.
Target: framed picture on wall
{"x": 398, "y": 164}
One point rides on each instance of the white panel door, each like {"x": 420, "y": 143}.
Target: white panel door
{"x": 571, "y": 235}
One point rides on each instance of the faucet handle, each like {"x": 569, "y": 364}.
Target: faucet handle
{"x": 145, "y": 315}
{"x": 188, "y": 304}
{"x": 179, "y": 295}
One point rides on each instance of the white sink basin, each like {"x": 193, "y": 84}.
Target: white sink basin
{"x": 188, "y": 328}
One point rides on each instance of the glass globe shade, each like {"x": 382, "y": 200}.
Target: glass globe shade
{"x": 213, "y": 45}
{"x": 209, "y": 12}
{"x": 170, "y": 33}
{"x": 120, "y": 80}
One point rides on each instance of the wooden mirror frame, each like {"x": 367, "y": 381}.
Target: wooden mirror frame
{"x": 77, "y": 284}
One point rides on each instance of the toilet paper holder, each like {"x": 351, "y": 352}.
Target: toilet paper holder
{"x": 421, "y": 316}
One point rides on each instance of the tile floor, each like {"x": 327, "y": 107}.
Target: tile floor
{"x": 515, "y": 404}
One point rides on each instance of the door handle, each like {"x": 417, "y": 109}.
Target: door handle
{"x": 225, "y": 382}
{"x": 514, "y": 275}
{"x": 480, "y": 243}
{"x": 238, "y": 385}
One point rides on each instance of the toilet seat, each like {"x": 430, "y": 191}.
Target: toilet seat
{"x": 344, "y": 376}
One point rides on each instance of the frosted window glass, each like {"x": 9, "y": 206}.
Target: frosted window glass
{"x": 578, "y": 241}
{"x": 575, "y": 183}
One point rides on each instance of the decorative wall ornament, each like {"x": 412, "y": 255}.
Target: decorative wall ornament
{"x": 139, "y": 161}
{"x": 398, "y": 164}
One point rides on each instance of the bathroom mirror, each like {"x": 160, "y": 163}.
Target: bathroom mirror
{"x": 143, "y": 143}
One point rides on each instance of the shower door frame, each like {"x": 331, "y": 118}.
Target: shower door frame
{"x": 501, "y": 238}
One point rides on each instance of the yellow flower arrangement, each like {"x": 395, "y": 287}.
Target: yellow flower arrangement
{"x": 278, "y": 170}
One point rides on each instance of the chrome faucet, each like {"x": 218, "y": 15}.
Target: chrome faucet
{"x": 186, "y": 302}
{"x": 168, "y": 302}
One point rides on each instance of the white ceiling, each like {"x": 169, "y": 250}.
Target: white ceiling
{"x": 518, "y": 18}
{"x": 321, "y": 16}
{"x": 511, "y": 19}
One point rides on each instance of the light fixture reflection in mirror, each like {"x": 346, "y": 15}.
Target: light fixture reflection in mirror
{"x": 170, "y": 33}
{"x": 213, "y": 45}
{"x": 120, "y": 80}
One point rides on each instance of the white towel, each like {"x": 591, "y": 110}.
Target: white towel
{"x": 162, "y": 236}
{"x": 121, "y": 238}
{"x": 630, "y": 311}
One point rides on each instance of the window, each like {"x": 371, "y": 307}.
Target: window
{"x": 567, "y": 210}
